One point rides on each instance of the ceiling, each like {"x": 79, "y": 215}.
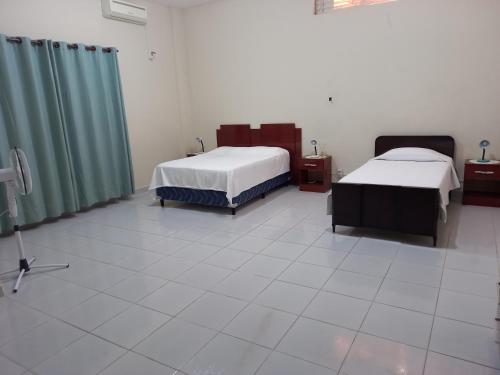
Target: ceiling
{"x": 184, "y": 3}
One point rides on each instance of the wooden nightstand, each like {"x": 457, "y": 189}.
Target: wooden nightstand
{"x": 315, "y": 174}
{"x": 482, "y": 184}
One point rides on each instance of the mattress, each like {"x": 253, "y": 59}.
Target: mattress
{"x": 435, "y": 174}
{"x": 232, "y": 170}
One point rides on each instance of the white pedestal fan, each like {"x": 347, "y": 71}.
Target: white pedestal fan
{"x": 17, "y": 179}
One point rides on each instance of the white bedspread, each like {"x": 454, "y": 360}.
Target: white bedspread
{"x": 229, "y": 169}
{"x": 435, "y": 174}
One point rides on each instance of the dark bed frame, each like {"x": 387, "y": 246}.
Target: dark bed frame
{"x": 409, "y": 210}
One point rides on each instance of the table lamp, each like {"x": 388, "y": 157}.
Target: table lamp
{"x": 484, "y": 145}
{"x": 315, "y": 144}
{"x": 201, "y": 142}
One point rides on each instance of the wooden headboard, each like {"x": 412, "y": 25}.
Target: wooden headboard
{"x": 286, "y": 136}
{"x": 440, "y": 143}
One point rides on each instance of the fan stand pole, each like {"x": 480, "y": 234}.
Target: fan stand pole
{"x": 25, "y": 265}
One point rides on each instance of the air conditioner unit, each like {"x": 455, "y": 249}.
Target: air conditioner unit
{"x": 124, "y": 11}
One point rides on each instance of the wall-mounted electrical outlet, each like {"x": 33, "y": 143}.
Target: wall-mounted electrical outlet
{"x": 340, "y": 173}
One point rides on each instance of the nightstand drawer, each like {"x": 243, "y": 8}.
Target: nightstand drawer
{"x": 482, "y": 184}
{"x": 482, "y": 172}
{"x": 315, "y": 175}
{"x": 312, "y": 164}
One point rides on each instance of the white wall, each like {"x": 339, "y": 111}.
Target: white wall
{"x": 184, "y": 92}
{"x": 150, "y": 88}
{"x": 408, "y": 67}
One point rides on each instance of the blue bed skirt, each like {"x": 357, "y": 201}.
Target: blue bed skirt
{"x": 218, "y": 198}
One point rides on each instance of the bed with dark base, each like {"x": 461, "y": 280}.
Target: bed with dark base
{"x": 285, "y": 136}
{"x": 218, "y": 198}
{"x": 411, "y": 210}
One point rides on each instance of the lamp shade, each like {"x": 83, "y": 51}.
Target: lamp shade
{"x": 315, "y": 144}
{"x": 484, "y": 144}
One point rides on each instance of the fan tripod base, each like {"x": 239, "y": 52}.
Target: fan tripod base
{"x": 25, "y": 266}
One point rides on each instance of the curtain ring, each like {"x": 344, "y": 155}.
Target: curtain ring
{"x": 14, "y": 39}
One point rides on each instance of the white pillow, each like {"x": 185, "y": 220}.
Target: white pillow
{"x": 413, "y": 154}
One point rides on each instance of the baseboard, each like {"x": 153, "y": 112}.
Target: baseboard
{"x": 142, "y": 189}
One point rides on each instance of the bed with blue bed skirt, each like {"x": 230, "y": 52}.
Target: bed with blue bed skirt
{"x": 224, "y": 177}
{"x": 219, "y": 198}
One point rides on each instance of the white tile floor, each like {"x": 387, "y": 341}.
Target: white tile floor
{"x": 271, "y": 291}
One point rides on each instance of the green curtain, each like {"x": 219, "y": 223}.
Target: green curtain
{"x": 89, "y": 88}
{"x": 30, "y": 119}
{"x": 64, "y": 108}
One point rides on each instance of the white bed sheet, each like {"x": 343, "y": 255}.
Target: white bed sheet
{"x": 228, "y": 169}
{"x": 435, "y": 174}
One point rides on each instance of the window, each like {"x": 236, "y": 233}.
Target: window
{"x": 326, "y": 6}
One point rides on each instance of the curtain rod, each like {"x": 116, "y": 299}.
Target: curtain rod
{"x": 39, "y": 42}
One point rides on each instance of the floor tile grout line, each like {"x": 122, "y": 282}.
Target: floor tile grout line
{"x": 128, "y": 350}
{"x": 185, "y": 308}
{"x": 94, "y": 259}
{"x": 172, "y": 317}
{"x": 299, "y": 316}
{"x": 327, "y": 323}
{"x": 132, "y": 304}
{"x": 294, "y": 322}
{"x": 176, "y": 370}
{"x": 22, "y": 335}
{"x": 366, "y": 315}
{"x": 270, "y": 256}
{"x": 497, "y": 237}
{"x": 467, "y": 293}
{"x": 292, "y": 263}
{"x": 473, "y": 272}
{"x": 90, "y": 275}
{"x": 249, "y": 303}
{"x": 276, "y": 279}
{"x": 107, "y": 224}
{"x": 497, "y": 369}
{"x": 104, "y": 292}
{"x": 434, "y": 316}
{"x": 26, "y": 370}
{"x": 220, "y": 331}
{"x": 295, "y": 357}
{"x": 112, "y": 242}
{"x": 256, "y": 296}
{"x": 60, "y": 319}
{"x": 113, "y": 362}
{"x": 85, "y": 333}
{"x": 66, "y": 310}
